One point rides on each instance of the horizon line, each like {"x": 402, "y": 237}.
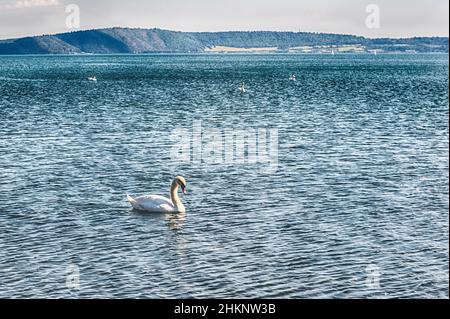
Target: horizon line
{"x": 274, "y": 31}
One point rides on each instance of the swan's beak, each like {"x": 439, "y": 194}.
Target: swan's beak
{"x": 184, "y": 190}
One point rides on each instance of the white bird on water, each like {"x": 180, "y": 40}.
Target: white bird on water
{"x": 242, "y": 88}
{"x": 161, "y": 204}
{"x": 92, "y": 78}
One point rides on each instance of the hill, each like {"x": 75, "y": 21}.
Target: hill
{"x": 134, "y": 41}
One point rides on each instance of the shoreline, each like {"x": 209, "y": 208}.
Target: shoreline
{"x": 225, "y": 54}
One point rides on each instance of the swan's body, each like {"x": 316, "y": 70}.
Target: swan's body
{"x": 293, "y": 78}
{"x": 161, "y": 204}
{"x": 92, "y": 78}
{"x": 155, "y": 204}
{"x": 242, "y": 88}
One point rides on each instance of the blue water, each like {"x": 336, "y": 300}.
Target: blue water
{"x": 358, "y": 205}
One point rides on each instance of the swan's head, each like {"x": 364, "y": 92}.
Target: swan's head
{"x": 182, "y": 183}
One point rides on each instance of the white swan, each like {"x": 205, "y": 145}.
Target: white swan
{"x": 160, "y": 204}
{"x": 242, "y": 88}
{"x": 92, "y": 78}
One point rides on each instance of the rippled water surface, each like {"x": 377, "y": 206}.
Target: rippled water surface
{"x": 357, "y": 208}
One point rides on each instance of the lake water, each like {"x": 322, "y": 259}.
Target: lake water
{"x": 355, "y": 204}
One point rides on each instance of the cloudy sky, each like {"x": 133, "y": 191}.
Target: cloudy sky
{"x": 398, "y": 18}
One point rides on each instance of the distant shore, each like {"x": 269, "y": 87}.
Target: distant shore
{"x": 326, "y": 49}
{"x": 140, "y": 41}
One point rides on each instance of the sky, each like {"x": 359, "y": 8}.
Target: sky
{"x": 397, "y": 18}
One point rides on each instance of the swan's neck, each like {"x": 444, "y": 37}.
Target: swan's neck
{"x": 174, "y": 196}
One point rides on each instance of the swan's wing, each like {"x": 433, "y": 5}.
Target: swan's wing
{"x": 153, "y": 203}
{"x": 159, "y": 200}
